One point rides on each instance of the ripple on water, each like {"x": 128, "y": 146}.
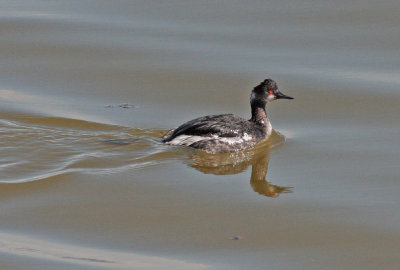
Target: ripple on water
{"x": 36, "y": 148}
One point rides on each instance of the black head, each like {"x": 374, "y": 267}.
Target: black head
{"x": 267, "y": 91}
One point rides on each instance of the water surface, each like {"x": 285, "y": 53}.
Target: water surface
{"x": 88, "y": 88}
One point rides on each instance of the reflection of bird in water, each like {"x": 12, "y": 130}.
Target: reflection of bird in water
{"x": 237, "y": 162}
{"x": 259, "y": 183}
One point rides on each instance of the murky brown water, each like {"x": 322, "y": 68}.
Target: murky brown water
{"x": 88, "y": 88}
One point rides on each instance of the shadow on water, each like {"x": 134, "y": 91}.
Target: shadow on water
{"x": 237, "y": 162}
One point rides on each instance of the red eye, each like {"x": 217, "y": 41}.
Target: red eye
{"x": 271, "y": 91}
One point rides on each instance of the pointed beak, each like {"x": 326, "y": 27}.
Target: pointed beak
{"x": 280, "y": 95}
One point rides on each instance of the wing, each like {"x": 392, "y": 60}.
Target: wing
{"x": 225, "y": 125}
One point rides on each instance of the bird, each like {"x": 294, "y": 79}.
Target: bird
{"x": 228, "y": 133}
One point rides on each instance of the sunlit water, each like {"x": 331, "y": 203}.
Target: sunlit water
{"x": 88, "y": 88}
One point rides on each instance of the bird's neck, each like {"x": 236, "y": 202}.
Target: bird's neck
{"x": 259, "y": 114}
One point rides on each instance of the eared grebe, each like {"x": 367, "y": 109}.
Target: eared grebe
{"x": 228, "y": 133}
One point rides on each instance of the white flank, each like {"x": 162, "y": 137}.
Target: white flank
{"x": 190, "y": 139}
{"x": 247, "y": 137}
{"x": 187, "y": 139}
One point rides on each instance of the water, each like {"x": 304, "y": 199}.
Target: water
{"x": 88, "y": 88}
